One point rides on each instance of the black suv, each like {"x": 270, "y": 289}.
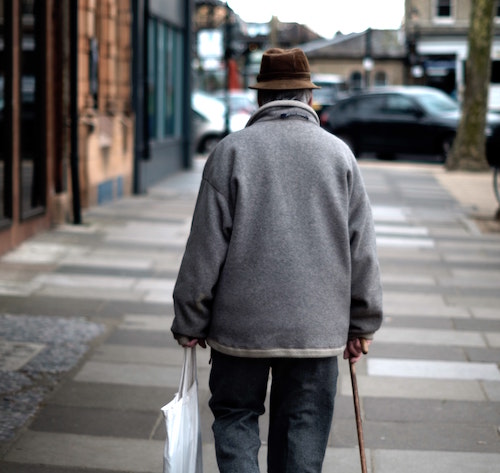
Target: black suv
{"x": 402, "y": 120}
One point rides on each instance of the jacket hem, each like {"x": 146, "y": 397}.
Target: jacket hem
{"x": 276, "y": 352}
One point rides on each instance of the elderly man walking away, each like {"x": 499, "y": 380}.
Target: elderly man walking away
{"x": 280, "y": 275}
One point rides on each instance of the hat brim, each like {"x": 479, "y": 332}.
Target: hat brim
{"x": 288, "y": 84}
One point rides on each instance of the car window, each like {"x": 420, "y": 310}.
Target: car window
{"x": 438, "y": 102}
{"x": 346, "y": 107}
{"x": 399, "y": 105}
{"x": 370, "y": 105}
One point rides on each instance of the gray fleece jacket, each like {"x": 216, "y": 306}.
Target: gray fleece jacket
{"x": 281, "y": 259}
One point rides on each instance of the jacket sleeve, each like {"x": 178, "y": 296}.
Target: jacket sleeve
{"x": 202, "y": 262}
{"x": 366, "y": 289}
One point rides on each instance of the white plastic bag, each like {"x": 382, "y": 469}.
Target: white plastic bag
{"x": 182, "y": 453}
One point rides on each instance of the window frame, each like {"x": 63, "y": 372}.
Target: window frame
{"x": 444, "y": 19}
{"x": 165, "y": 84}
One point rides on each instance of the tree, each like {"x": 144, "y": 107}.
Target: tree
{"x": 468, "y": 151}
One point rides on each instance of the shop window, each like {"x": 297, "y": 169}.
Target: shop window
{"x": 32, "y": 126}
{"x": 165, "y": 85}
{"x": 5, "y": 113}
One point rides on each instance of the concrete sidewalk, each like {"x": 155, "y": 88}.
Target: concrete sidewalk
{"x": 88, "y": 360}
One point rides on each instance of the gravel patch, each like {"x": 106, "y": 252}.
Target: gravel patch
{"x": 62, "y": 343}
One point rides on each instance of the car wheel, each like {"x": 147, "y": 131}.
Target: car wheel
{"x": 445, "y": 148}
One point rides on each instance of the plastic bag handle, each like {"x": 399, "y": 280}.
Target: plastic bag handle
{"x": 188, "y": 373}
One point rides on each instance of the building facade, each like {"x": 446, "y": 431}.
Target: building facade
{"x": 31, "y": 124}
{"x": 366, "y": 59}
{"x": 94, "y": 105}
{"x": 161, "y": 97}
{"x": 437, "y": 45}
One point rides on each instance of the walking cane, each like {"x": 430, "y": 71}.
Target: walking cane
{"x": 357, "y": 410}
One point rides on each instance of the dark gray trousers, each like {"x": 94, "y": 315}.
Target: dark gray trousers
{"x": 300, "y": 415}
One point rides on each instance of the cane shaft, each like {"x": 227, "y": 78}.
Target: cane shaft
{"x": 357, "y": 412}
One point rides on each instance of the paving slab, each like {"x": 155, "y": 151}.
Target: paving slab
{"x": 147, "y": 322}
{"x": 147, "y": 355}
{"x": 491, "y": 355}
{"x": 418, "y": 352}
{"x": 139, "y": 456}
{"x": 135, "y": 374}
{"x": 428, "y": 322}
{"x": 409, "y": 461}
{"x": 103, "y": 259}
{"x": 118, "y": 308}
{"x": 490, "y": 301}
{"x": 431, "y": 436}
{"x": 476, "y": 323}
{"x": 407, "y": 279}
{"x": 36, "y": 252}
{"x": 106, "y": 422}
{"x": 7, "y": 467}
{"x": 408, "y": 388}
{"x": 112, "y": 396}
{"x": 86, "y": 281}
{"x": 84, "y": 451}
{"x": 98, "y": 293}
{"x": 433, "y": 369}
{"x": 50, "y": 306}
{"x": 158, "y": 284}
{"x": 431, "y": 410}
{"x": 492, "y": 390}
{"x": 493, "y": 339}
{"x": 486, "y": 312}
{"x": 464, "y": 338}
{"x": 158, "y": 339}
{"x": 420, "y": 303}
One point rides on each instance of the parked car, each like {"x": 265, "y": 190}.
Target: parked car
{"x": 209, "y": 121}
{"x": 333, "y": 88}
{"x": 402, "y": 120}
{"x": 239, "y": 100}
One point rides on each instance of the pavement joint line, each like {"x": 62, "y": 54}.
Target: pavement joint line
{"x": 435, "y": 369}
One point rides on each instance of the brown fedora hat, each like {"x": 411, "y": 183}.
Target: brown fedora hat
{"x": 284, "y": 69}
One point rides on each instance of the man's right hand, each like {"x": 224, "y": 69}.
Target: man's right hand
{"x": 189, "y": 342}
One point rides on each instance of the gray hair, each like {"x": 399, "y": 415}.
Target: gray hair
{"x": 266, "y": 96}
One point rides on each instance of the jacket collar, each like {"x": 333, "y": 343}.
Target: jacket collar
{"x": 282, "y": 109}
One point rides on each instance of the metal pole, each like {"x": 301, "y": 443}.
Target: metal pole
{"x": 227, "y": 41}
{"x": 75, "y": 176}
{"x": 187, "y": 72}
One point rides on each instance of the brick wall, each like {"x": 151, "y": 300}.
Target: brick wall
{"x": 106, "y": 122}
